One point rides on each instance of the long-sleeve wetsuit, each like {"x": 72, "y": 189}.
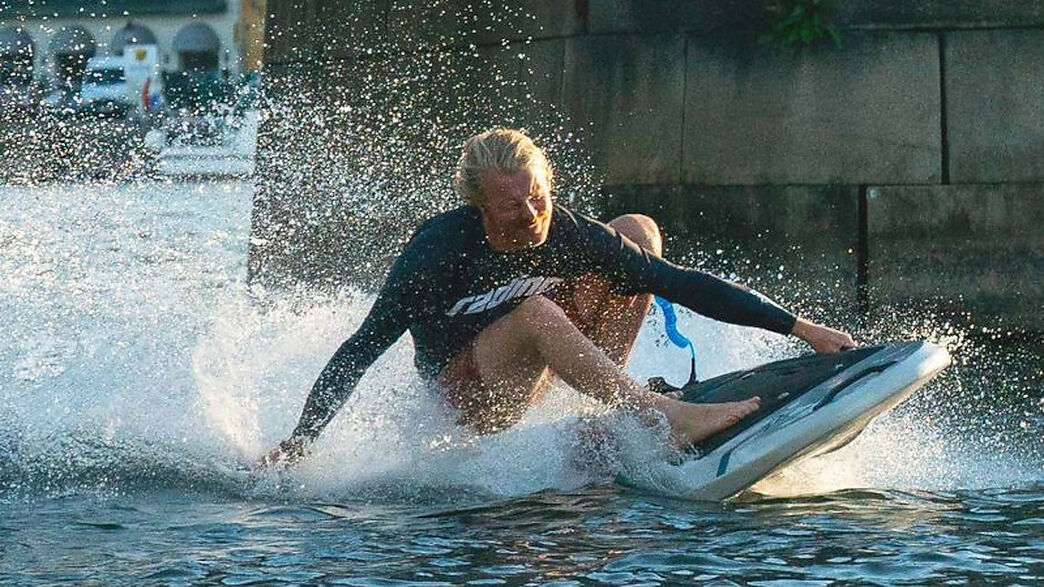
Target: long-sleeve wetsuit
{"x": 449, "y": 284}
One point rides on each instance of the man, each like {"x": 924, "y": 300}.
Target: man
{"x": 511, "y": 289}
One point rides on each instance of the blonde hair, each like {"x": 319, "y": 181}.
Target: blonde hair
{"x": 503, "y": 149}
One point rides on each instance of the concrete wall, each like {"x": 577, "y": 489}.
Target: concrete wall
{"x": 756, "y": 114}
{"x": 632, "y": 89}
{"x": 681, "y": 112}
{"x": 976, "y": 250}
{"x": 942, "y": 14}
{"x": 995, "y": 105}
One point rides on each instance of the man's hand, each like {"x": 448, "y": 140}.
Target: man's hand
{"x": 821, "y": 338}
{"x": 287, "y": 453}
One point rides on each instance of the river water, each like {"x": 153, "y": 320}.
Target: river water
{"x": 140, "y": 375}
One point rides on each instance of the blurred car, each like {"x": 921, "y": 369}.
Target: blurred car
{"x": 104, "y": 90}
{"x": 63, "y": 101}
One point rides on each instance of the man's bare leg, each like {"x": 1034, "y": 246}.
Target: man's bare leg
{"x": 513, "y": 356}
{"x": 612, "y": 321}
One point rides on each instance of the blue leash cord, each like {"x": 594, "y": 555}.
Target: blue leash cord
{"x": 670, "y": 325}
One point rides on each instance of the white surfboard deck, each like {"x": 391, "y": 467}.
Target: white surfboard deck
{"x": 829, "y": 414}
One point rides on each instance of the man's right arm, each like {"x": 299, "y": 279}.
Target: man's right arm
{"x": 386, "y": 322}
{"x": 343, "y": 371}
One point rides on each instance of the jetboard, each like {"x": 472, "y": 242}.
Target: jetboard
{"x": 809, "y": 406}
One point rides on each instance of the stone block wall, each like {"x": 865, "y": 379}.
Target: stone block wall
{"x": 755, "y": 114}
{"x": 971, "y": 249}
{"x": 632, "y": 90}
{"x": 994, "y": 86}
{"x": 798, "y": 244}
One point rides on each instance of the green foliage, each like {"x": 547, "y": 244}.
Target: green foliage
{"x": 801, "y": 22}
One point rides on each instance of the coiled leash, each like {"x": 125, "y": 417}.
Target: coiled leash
{"x": 670, "y": 326}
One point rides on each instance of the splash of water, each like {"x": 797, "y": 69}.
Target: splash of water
{"x": 137, "y": 357}
{"x": 421, "y": 451}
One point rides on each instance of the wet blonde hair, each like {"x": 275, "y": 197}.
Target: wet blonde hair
{"x": 503, "y": 149}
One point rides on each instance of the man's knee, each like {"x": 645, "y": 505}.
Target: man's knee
{"x": 641, "y": 229}
{"x": 538, "y": 312}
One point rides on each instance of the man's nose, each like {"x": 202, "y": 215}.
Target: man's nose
{"x": 529, "y": 210}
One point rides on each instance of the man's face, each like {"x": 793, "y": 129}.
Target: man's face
{"x": 517, "y": 210}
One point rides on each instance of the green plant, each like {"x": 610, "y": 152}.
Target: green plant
{"x": 801, "y": 22}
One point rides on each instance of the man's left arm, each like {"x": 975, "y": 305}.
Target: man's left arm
{"x": 636, "y": 270}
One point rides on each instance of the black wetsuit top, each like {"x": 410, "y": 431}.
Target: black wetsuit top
{"x": 448, "y": 285}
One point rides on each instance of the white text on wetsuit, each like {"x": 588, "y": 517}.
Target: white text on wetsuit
{"x": 518, "y": 287}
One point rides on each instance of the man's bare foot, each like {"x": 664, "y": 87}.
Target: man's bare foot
{"x": 691, "y": 423}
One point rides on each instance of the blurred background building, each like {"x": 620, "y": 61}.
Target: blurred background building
{"x": 55, "y": 37}
{"x": 53, "y": 43}
{"x": 177, "y": 77}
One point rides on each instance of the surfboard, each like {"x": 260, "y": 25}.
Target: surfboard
{"x": 809, "y": 406}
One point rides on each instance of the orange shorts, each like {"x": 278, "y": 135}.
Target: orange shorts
{"x": 460, "y": 379}
{"x": 480, "y": 407}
